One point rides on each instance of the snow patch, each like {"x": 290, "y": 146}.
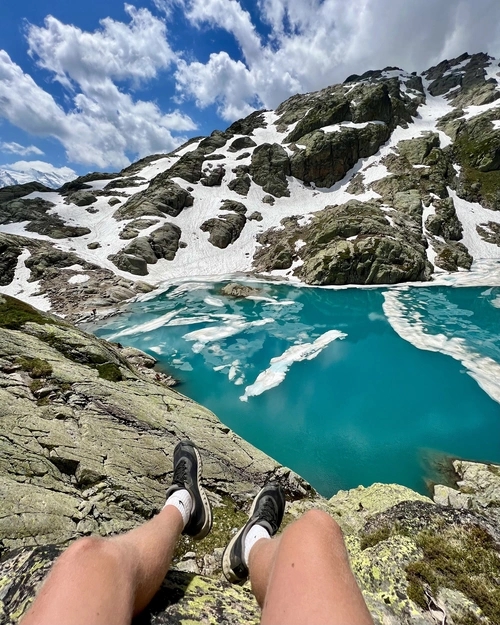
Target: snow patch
{"x": 24, "y": 290}
{"x": 78, "y": 279}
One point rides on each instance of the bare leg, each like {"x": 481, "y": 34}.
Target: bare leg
{"x": 304, "y": 576}
{"x": 108, "y": 580}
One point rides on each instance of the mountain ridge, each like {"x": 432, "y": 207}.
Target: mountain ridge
{"x": 388, "y": 177}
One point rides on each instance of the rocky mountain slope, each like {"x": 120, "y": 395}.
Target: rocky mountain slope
{"x": 86, "y": 447}
{"x": 388, "y": 177}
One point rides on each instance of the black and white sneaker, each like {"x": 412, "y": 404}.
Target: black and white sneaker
{"x": 267, "y": 510}
{"x": 187, "y": 474}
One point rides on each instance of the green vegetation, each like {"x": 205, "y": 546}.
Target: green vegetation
{"x": 459, "y": 558}
{"x": 225, "y": 519}
{"x": 373, "y": 538}
{"x": 14, "y": 314}
{"x": 36, "y": 367}
{"x": 109, "y": 371}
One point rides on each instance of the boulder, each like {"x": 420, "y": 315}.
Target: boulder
{"x": 162, "y": 197}
{"x": 489, "y": 232}
{"x": 241, "y": 143}
{"x": 214, "y": 177}
{"x": 451, "y": 255}
{"x": 224, "y": 230}
{"x": 164, "y": 241}
{"x": 81, "y": 198}
{"x": 233, "y": 289}
{"x": 130, "y": 263}
{"x": 255, "y": 216}
{"x": 241, "y": 184}
{"x": 445, "y": 223}
{"x": 235, "y": 207}
{"x": 269, "y": 168}
{"x": 141, "y": 248}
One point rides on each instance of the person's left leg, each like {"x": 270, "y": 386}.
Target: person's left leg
{"x": 99, "y": 580}
{"x": 108, "y": 580}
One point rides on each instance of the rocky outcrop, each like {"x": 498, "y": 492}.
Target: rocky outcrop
{"x": 477, "y": 150}
{"x": 233, "y": 206}
{"x": 327, "y": 157}
{"x": 20, "y": 190}
{"x": 241, "y": 184}
{"x": 162, "y": 197}
{"x": 269, "y": 168}
{"x": 241, "y": 143}
{"x": 463, "y": 80}
{"x": 353, "y": 243}
{"x": 81, "y": 198}
{"x": 444, "y": 223}
{"x": 142, "y": 251}
{"x": 123, "y": 183}
{"x": 489, "y": 232}
{"x": 213, "y": 177}
{"x": 10, "y": 250}
{"x": 89, "y": 451}
{"x": 225, "y": 229}
{"x": 233, "y": 289}
{"x": 35, "y": 211}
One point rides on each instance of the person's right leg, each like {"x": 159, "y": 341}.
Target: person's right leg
{"x": 304, "y": 576}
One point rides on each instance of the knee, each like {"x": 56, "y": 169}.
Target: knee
{"x": 318, "y": 520}
{"x": 91, "y": 547}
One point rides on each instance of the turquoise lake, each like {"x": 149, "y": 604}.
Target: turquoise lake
{"x": 346, "y": 387}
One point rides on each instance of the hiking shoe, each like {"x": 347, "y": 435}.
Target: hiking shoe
{"x": 267, "y": 510}
{"x": 187, "y": 474}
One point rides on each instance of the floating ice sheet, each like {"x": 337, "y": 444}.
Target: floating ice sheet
{"x": 276, "y": 373}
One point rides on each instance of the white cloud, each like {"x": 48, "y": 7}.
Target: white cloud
{"x": 105, "y": 123}
{"x": 17, "y": 148}
{"x": 117, "y": 51}
{"x": 314, "y": 43}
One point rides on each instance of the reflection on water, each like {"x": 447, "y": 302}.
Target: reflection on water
{"x": 346, "y": 387}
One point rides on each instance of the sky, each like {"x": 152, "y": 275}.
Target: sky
{"x": 96, "y": 85}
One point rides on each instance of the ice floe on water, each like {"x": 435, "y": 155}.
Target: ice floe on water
{"x": 216, "y": 333}
{"x": 149, "y": 326}
{"x": 276, "y": 373}
{"x": 407, "y": 321}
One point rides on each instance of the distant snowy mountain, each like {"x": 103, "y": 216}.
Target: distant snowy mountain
{"x": 35, "y": 171}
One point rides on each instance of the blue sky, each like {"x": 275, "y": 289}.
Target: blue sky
{"x": 96, "y": 85}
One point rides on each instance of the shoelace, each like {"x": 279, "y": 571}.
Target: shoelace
{"x": 269, "y": 513}
{"x": 180, "y": 473}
